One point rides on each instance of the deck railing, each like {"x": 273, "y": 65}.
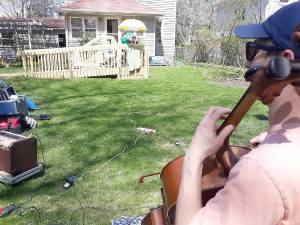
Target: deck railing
{"x": 93, "y": 61}
{"x": 102, "y": 39}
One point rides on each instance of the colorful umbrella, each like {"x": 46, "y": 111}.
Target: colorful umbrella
{"x": 132, "y": 25}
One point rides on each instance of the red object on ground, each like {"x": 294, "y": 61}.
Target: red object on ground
{"x": 13, "y": 124}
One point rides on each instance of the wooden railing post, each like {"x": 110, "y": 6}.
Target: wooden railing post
{"x": 70, "y": 60}
{"x": 24, "y": 63}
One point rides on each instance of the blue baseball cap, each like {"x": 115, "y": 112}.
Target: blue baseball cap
{"x": 279, "y": 27}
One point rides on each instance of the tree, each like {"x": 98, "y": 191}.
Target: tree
{"x": 192, "y": 15}
{"x": 197, "y": 14}
{"x": 14, "y": 8}
{"x": 45, "y": 8}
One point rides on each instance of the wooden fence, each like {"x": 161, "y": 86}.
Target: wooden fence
{"x": 120, "y": 61}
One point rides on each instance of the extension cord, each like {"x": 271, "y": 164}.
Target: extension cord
{"x": 7, "y": 210}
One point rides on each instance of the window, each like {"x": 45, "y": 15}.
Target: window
{"x": 77, "y": 27}
{"x": 7, "y": 39}
{"x": 158, "y": 32}
{"x": 83, "y": 27}
{"x": 90, "y": 27}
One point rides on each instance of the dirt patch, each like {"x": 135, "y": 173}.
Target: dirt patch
{"x": 240, "y": 83}
{"x": 10, "y": 75}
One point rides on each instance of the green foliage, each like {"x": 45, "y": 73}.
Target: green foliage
{"x": 232, "y": 51}
{"x": 208, "y": 47}
{"x": 12, "y": 70}
{"x": 205, "y": 44}
{"x": 87, "y": 37}
{"x": 93, "y": 121}
{"x": 221, "y": 72}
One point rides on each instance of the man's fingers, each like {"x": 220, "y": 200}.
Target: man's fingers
{"x": 224, "y": 116}
{"x": 259, "y": 138}
{"x": 216, "y": 113}
{"x": 225, "y": 133}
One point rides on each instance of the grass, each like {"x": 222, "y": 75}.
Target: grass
{"x": 93, "y": 121}
{"x": 11, "y": 70}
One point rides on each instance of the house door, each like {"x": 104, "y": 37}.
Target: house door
{"x": 112, "y": 28}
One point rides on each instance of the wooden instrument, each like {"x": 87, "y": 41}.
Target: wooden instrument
{"x": 265, "y": 84}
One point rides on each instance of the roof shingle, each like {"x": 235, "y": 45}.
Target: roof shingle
{"x": 127, "y": 7}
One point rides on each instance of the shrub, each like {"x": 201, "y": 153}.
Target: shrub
{"x": 232, "y": 51}
{"x": 221, "y": 72}
{"x": 206, "y": 45}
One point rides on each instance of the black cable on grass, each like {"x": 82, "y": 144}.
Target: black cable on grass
{"x": 80, "y": 204}
{"x": 22, "y": 210}
{"x": 124, "y": 150}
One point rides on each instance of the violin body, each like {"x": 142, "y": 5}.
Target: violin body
{"x": 213, "y": 180}
{"x": 156, "y": 216}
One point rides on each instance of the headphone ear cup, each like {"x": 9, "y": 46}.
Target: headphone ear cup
{"x": 279, "y": 67}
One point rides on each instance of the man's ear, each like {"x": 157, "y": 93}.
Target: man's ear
{"x": 289, "y": 54}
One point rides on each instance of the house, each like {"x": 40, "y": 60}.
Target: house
{"x": 274, "y": 5}
{"x": 18, "y": 33}
{"x": 90, "y": 18}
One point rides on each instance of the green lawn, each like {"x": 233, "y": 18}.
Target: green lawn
{"x": 93, "y": 120}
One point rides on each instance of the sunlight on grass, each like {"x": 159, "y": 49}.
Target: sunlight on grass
{"x": 89, "y": 127}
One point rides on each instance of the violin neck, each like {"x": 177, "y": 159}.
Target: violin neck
{"x": 240, "y": 110}
{"x": 234, "y": 118}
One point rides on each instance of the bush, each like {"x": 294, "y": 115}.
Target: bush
{"x": 206, "y": 45}
{"x": 232, "y": 51}
{"x": 220, "y": 72}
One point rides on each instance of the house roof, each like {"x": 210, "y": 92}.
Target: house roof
{"x": 50, "y": 22}
{"x": 53, "y": 22}
{"x": 126, "y": 7}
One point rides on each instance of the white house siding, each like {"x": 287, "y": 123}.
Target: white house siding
{"x": 168, "y": 23}
{"x": 274, "y": 5}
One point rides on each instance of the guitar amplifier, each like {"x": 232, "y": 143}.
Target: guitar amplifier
{"x": 14, "y": 107}
{"x": 17, "y": 153}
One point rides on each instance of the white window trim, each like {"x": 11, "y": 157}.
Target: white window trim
{"x": 83, "y": 24}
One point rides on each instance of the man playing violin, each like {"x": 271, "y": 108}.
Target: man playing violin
{"x": 263, "y": 188}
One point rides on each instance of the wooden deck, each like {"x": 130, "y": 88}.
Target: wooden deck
{"x": 92, "y": 61}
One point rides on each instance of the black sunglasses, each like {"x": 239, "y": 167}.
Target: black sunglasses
{"x": 252, "y": 49}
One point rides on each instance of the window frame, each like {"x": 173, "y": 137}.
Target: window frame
{"x": 83, "y": 26}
